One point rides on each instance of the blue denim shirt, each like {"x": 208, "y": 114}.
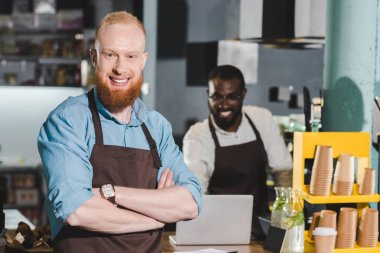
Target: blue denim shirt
{"x": 66, "y": 140}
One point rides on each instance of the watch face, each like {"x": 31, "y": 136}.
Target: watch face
{"x": 108, "y": 190}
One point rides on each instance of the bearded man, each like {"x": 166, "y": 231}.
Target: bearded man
{"x": 232, "y": 150}
{"x": 113, "y": 172}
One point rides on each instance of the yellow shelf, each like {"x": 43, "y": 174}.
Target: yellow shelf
{"x": 355, "y": 143}
{"x": 354, "y": 198}
{"x": 309, "y": 247}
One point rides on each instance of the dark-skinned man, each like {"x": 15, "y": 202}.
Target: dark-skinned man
{"x": 231, "y": 150}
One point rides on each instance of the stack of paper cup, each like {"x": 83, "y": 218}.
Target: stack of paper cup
{"x": 324, "y": 218}
{"x": 322, "y": 171}
{"x": 367, "y": 184}
{"x": 344, "y": 175}
{"x": 347, "y": 223}
{"x": 369, "y": 228}
{"x": 327, "y": 219}
{"x": 324, "y": 239}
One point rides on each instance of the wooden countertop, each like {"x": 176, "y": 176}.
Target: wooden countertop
{"x": 169, "y": 247}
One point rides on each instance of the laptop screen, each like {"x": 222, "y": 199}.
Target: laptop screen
{"x": 224, "y": 219}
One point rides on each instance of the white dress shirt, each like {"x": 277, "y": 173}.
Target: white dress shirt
{"x": 199, "y": 147}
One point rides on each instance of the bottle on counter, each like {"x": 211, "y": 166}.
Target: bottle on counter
{"x": 293, "y": 221}
{"x": 280, "y": 204}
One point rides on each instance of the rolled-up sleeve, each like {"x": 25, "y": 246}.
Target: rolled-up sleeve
{"x": 197, "y": 158}
{"x": 278, "y": 155}
{"x": 172, "y": 157}
{"x": 63, "y": 148}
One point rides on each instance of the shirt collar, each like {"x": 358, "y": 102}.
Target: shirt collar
{"x": 139, "y": 112}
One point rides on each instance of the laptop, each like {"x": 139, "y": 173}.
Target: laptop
{"x": 224, "y": 219}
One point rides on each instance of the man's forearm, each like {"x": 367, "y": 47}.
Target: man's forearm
{"x": 97, "y": 214}
{"x": 166, "y": 205}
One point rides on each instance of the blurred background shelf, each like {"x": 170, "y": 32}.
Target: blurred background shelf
{"x": 21, "y": 188}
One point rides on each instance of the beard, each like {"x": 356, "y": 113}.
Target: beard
{"x": 115, "y": 100}
{"x": 224, "y": 123}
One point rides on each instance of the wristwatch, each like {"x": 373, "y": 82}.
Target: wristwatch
{"x": 107, "y": 191}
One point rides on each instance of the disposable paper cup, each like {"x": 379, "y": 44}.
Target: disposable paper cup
{"x": 321, "y": 192}
{"x": 342, "y": 187}
{"x": 324, "y": 239}
{"x": 327, "y": 219}
{"x": 345, "y": 244}
{"x": 367, "y": 184}
{"x": 347, "y": 220}
{"x": 322, "y": 171}
{"x": 347, "y": 224}
{"x": 320, "y": 185}
{"x": 344, "y": 169}
{"x": 368, "y": 244}
{"x": 369, "y": 224}
{"x": 323, "y": 158}
{"x": 367, "y": 241}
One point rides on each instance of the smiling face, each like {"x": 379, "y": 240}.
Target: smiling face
{"x": 119, "y": 59}
{"x": 225, "y": 103}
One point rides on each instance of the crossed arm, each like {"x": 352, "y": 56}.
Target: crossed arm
{"x": 145, "y": 209}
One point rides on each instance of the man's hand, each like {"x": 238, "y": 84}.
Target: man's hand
{"x": 166, "y": 179}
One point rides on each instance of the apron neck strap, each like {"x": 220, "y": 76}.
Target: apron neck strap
{"x": 95, "y": 117}
{"x": 258, "y": 137}
{"x": 152, "y": 145}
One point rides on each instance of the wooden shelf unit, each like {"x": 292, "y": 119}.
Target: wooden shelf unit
{"x": 357, "y": 144}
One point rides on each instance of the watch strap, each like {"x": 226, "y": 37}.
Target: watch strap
{"x": 112, "y": 200}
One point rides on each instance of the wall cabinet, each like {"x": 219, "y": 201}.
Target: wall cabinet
{"x": 44, "y": 58}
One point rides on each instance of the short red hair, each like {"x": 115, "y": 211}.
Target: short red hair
{"x": 119, "y": 17}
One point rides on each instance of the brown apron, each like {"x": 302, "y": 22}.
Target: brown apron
{"x": 121, "y": 166}
{"x": 241, "y": 169}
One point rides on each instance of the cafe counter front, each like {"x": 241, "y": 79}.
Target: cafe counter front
{"x": 13, "y": 217}
{"x": 169, "y": 247}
